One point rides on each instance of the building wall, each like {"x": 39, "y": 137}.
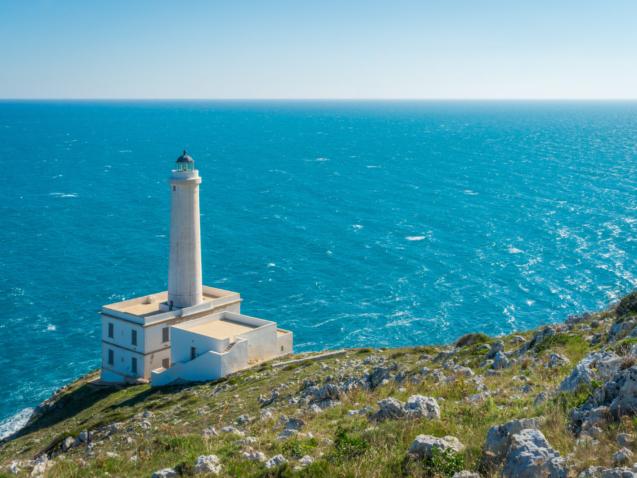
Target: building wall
{"x": 122, "y": 366}
{"x": 261, "y": 342}
{"x": 183, "y": 340}
{"x": 208, "y": 366}
{"x": 285, "y": 343}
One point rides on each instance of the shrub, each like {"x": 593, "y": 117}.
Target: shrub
{"x": 445, "y": 463}
{"x": 292, "y": 366}
{"x": 471, "y": 339}
{"x": 346, "y": 447}
{"x": 628, "y": 304}
{"x": 299, "y": 450}
{"x": 621, "y": 348}
{"x": 364, "y": 351}
{"x": 556, "y": 340}
{"x": 185, "y": 469}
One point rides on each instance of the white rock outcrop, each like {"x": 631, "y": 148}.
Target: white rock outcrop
{"x": 424, "y": 444}
{"x": 531, "y": 456}
{"x": 207, "y": 464}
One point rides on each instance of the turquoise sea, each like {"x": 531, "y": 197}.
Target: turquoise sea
{"x": 350, "y": 223}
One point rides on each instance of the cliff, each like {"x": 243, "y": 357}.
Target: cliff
{"x": 528, "y": 404}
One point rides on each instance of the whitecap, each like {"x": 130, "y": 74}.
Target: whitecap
{"x": 126, "y": 151}
{"x": 374, "y": 166}
{"x": 50, "y": 327}
{"x": 357, "y": 226}
{"x": 415, "y": 238}
{"x": 513, "y": 250}
{"x": 271, "y": 265}
{"x": 322, "y": 159}
{"x": 16, "y": 422}
{"x": 471, "y": 193}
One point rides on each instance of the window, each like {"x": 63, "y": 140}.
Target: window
{"x": 111, "y": 331}
{"x": 174, "y": 188}
{"x": 133, "y": 340}
{"x": 111, "y": 357}
{"x": 281, "y": 348}
{"x": 193, "y": 353}
{"x": 165, "y": 363}
{"x": 189, "y": 166}
{"x": 165, "y": 334}
{"x": 134, "y": 365}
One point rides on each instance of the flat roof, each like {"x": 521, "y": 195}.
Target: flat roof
{"x": 222, "y": 329}
{"x": 148, "y": 310}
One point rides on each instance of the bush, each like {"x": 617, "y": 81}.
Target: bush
{"x": 471, "y": 339}
{"x": 292, "y": 366}
{"x": 628, "y": 304}
{"x": 445, "y": 463}
{"x": 557, "y": 340}
{"x": 621, "y": 348}
{"x": 346, "y": 447}
{"x": 364, "y": 351}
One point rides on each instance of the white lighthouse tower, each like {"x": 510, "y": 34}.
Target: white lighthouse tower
{"x": 184, "y": 265}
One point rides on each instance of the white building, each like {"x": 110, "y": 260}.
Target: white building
{"x": 190, "y": 332}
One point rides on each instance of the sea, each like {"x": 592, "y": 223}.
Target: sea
{"x": 351, "y": 223}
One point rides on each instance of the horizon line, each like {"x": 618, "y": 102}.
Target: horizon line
{"x": 318, "y": 99}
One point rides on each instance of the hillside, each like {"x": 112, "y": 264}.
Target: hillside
{"x": 363, "y": 412}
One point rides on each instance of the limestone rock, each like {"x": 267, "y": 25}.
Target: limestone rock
{"x": 165, "y": 473}
{"x": 445, "y": 355}
{"x": 465, "y": 371}
{"x": 625, "y": 439}
{"x": 558, "y": 360}
{"x": 226, "y": 430}
{"x": 531, "y": 456}
{"x": 67, "y": 443}
{"x": 622, "y": 472}
{"x": 499, "y": 361}
{"x": 257, "y": 456}
{"x": 424, "y": 444}
{"x": 583, "y": 373}
{"x": 465, "y": 474}
{"x": 418, "y": 406}
{"x": 209, "y": 432}
{"x": 592, "y": 472}
{"x": 540, "y": 399}
{"x": 247, "y": 441}
{"x": 275, "y": 461}
{"x": 389, "y": 408}
{"x": 295, "y": 424}
{"x": 500, "y": 438}
{"x": 622, "y": 457}
{"x": 485, "y": 363}
{"x": 306, "y": 460}
{"x": 495, "y": 349}
{"x": 207, "y": 464}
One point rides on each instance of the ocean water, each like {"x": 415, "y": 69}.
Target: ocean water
{"x": 350, "y": 223}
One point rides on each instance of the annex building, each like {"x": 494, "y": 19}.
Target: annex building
{"x": 190, "y": 332}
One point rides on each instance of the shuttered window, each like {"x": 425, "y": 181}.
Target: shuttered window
{"x": 111, "y": 357}
{"x": 134, "y": 365}
{"x": 111, "y": 331}
{"x": 134, "y": 337}
{"x": 165, "y": 334}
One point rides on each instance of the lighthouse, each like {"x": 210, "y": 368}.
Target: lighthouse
{"x": 190, "y": 332}
{"x": 184, "y": 265}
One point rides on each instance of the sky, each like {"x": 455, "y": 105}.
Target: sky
{"x": 297, "y": 49}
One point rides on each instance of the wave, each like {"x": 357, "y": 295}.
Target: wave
{"x": 14, "y": 423}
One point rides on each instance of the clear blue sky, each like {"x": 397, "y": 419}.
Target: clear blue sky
{"x": 318, "y": 49}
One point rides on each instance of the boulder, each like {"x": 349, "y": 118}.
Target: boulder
{"x": 622, "y": 457}
{"x": 464, "y": 371}
{"x": 483, "y": 347}
{"x": 228, "y": 430}
{"x": 500, "y": 361}
{"x": 381, "y": 373}
{"x": 275, "y": 461}
{"x": 531, "y": 456}
{"x": 257, "y": 456}
{"x": 465, "y": 474}
{"x": 295, "y": 424}
{"x": 67, "y": 443}
{"x": 540, "y": 399}
{"x": 165, "y": 473}
{"x": 445, "y": 355}
{"x": 558, "y": 360}
{"x": 485, "y": 363}
{"x": 583, "y": 373}
{"x": 495, "y": 349}
{"x": 592, "y": 472}
{"x": 209, "y": 432}
{"x": 207, "y": 464}
{"x": 389, "y": 408}
{"x": 306, "y": 460}
{"x": 418, "y": 406}
{"x": 424, "y": 444}
{"x": 622, "y": 472}
{"x": 247, "y": 441}
{"x": 500, "y": 438}
{"x": 625, "y": 439}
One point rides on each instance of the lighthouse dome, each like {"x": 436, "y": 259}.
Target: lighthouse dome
{"x": 185, "y": 158}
